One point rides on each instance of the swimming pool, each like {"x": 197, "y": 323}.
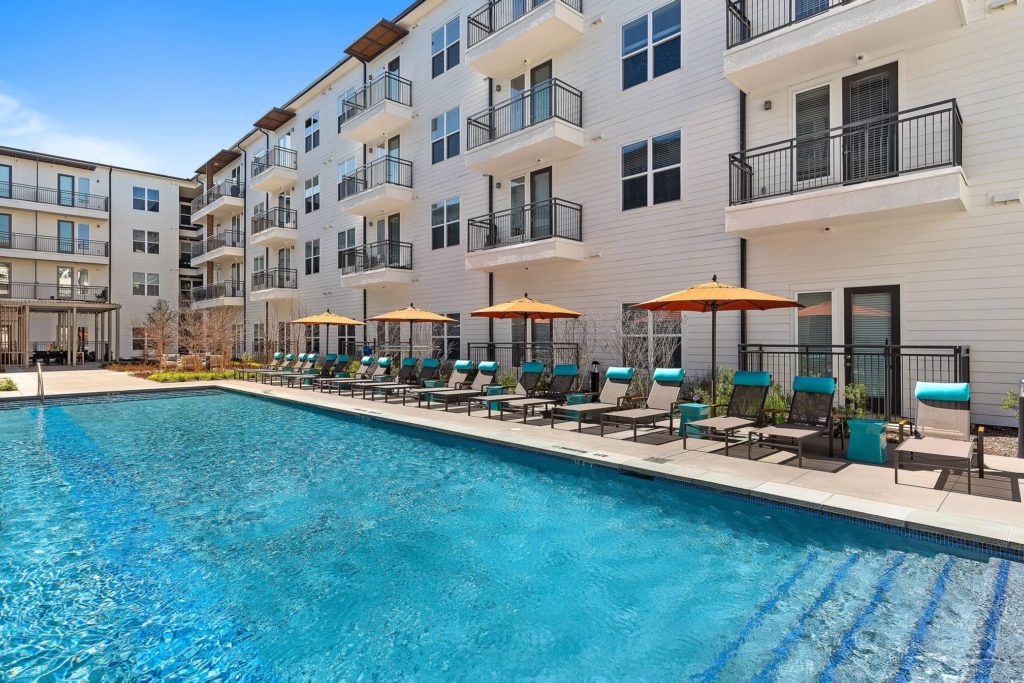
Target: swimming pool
{"x": 225, "y": 535}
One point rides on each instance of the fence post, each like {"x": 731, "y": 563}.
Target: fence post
{"x": 1020, "y": 421}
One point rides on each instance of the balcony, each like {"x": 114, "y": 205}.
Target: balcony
{"x": 224, "y": 199}
{"x": 542, "y": 232}
{"x": 38, "y": 291}
{"x": 275, "y": 228}
{"x": 905, "y": 163}
{"x": 377, "y": 110}
{"x": 274, "y": 170}
{"x": 376, "y": 265}
{"x": 225, "y": 246}
{"x": 774, "y": 43}
{"x": 226, "y": 293}
{"x": 274, "y": 284}
{"x": 54, "y": 248}
{"x": 380, "y": 187}
{"x": 65, "y": 202}
{"x": 505, "y": 34}
{"x": 543, "y": 124}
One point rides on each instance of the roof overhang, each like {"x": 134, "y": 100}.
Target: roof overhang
{"x": 218, "y": 161}
{"x": 275, "y": 118}
{"x": 46, "y": 158}
{"x": 375, "y": 41}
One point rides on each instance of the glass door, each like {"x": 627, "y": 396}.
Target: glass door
{"x": 541, "y": 216}
{"x": 65, "y": 189}
{"x": 65, "y": 237}
{"x": 394, "y": 165}
{"x": 517, "y": 217}
{"x": 393, "y": 83}
{"x": 5, "y": 231}
{"x": 5, "y": 279}
{"x": 869, "y": 99}
{"x": 5, "y": 181}
{"x": 82, "y": 284}
{"x": 541, "y": 92}
{"x": 394, "y": 237}
{"x": 872, "y": 319}
{"x": 83, "y": 192}
{"x": 65, "y": 282}
{"x": 516, "y": 108}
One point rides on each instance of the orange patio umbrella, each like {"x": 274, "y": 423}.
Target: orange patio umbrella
{"x": 411, "y": 315}
{"x": 327, "y": 318}
{"x": 527, "y": 309}
{"x": 717, "y": 296}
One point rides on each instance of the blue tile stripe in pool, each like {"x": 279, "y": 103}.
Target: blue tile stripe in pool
{"x": 986, "y": 658}
{"x": 138, "y": 546}
{"x": 712, "y": 672}
{"x": 849, "y": 640}
{"x": 923, "y": 624}
{"x": 782, "y": 650}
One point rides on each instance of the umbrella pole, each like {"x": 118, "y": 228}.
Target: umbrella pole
{"x": 714, "y": 355}
{"x": 410, "y": 339}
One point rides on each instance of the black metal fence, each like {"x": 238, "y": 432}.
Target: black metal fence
{"x": 49, "y": 195}
{"x": 888, "y": 373}
{"x": 219, "y": 290}
{"x": 497, "y": 14}
{"x": 54, "y": 245}
{"x": 748, "y": 19}
{"x": 910, "y": 141}
{"x": 383, "y": 171}
{"x": 537, "y": 221}
{"x": 512, "y": 355}
{"x": 277, "y": 217}
{"x": 225, "y": 188}
{"x": 275, "y": 156}
{"x": 275, "y": 278}
{"x": 375, "y": 255}
{"x": 552, "y": 99}
{"x": 51, "y": 292}
{"x": 389, "y": 86}
{"x": 227, "y": 238}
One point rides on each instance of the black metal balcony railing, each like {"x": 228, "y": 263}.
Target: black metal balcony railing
{"x": 49, "y": 292}
{"x": 219, "y": 290}
{"x": 53, "y": 245}
{"x": 888, "y": 373}
{"x": 553, "y": 99}
{"x": 389, "y": 87}
{"x": 748, "y": 19}
{"x": 275, "y": 156}
{"x": 277, "y": 217}
{"x": 374, "y": 256}
{"x": 225, "y": 188}
{"x": 497, "y": 14}
{"x": 513, "y": 355}
{"x": 910, "y": 141}
{"x": 49, "y": 195}
{"x": 275, "y": 278}
{"x": 537, "y": 221}
{"x": 383, "y": 171}
{"x": 228, "y": 238}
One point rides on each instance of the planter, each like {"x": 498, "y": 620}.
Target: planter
{"x": 867, "y": 441}
{"x": 691, "y": 412}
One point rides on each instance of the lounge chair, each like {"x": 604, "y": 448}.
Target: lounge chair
{"x": 429, "y": 371}
{"x": 366, "y": 367}
{"x": 810, "y": 414}
{"x": 746, "y": 406}
{"x": 381, "y": 371}
{"x": 326, "y": 369}
{"x": 275, "y": 363}
{"x": 617, "y": 381}
{"x": 486, "y": 377}
{"x": 941, "y": 430}
{"x": 459, "y": 379}
{"x": 529, "y": 378}
{"x": 406, "y": 375}
{"x": 311, "y": 365}
{"x": 661, "y": 403}
{"x": 298, "y": 365}
{"x": 286, "y": 363}
{"x": 563, "y": 381}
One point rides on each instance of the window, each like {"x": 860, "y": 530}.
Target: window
{"x": 651, "y": 46}
{"x": 651, "y": 339}
{"x": 346, "y": 241}
{"x": 139, "y": 341}
{"x": 144, "y": 199}
{"x": 651, "y": 171}
{"x": 444, "y": 223}
{"x": 814, "y": 333}
{"x": 312, "y": 338}
{"x": 812, "y": 123}
{"x": 83, "y": 236}
{"x": 146, "y": 284}
{"x": 5, "y": 180}
{"x": 6, "y": 268}
{"x": 312, "y": 257}
{"x": 444, "y": 48}
{"x": 5, "y": 231}
{"x": 312, "y": 194}
{"x": 259, "y": 337}
{"x": 145, "y": 242}
{"x": 446, "y": 338}
{"x": 444, "y": 136}
{"x": 346, "y": 106}
{"x": 65, "y": 236}
{"x": 259, "y": 264}
{"x": 346, "y": 178}
{"x": 184, "y": 214}
{"x": 313, "y": 131}
{"x": 347, "y": 340}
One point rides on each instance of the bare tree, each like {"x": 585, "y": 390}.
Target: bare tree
{"x": 160, "y": 326}
{"x": 222, "y": 325}
{"x": 193, "y": 335}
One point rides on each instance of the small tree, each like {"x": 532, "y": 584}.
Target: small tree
{"x": 161, "y": 328}
{"x": 222, "y": 323}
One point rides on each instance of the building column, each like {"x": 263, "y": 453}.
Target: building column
{"x": 108, "y": 335}
{"x": 96, "y": 334}
{"x": 23, "y": 334}
{"x": 117, "y": 334}
{"x": 73, "y": 336}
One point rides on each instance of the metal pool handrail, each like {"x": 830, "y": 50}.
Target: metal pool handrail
{"x": 40, "y": 388}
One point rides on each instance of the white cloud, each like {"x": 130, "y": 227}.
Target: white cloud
{"x": 24, "y": 127}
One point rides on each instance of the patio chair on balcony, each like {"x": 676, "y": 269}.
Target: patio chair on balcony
{"x": 810, "y": 414}
{"x": 661, "y": 403}
{"x": 486, "y": 377}
{"x": 366, "y": 367}
{"x": 563, "y": 381}
{"x": 613, "y": 394}
{"x": 745, "y": 409}
{"x": 406, "y": 375}
{"x": 941, "y": 430}
{"x": 529, "y": 378}
{"x": 429, "y": 372}
{"x": 243, "y": 373}
{"x": 459, "y": 379}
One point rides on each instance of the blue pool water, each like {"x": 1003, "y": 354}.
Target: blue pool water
{"x": 228, "y": 537}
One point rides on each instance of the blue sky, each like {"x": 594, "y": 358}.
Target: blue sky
{"x": 162, "y": 85}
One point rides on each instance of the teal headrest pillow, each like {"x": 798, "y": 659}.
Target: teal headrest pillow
{"x": 566, "y": 370}
{"x": 814, "y": 385}
{"x": 489, "y": 366}
{"x": 752, "y": 379}
{"x": 464, "y": 365}
{"x": 384, "y": 362}
{"x": 669, "y": 375}
{"x": 620, "y": 373}
{"x": 431, "y": 362}
{"x": 958, "y": 392}
{"x": 409, "y": 362}
{"x": 533, "y": 368}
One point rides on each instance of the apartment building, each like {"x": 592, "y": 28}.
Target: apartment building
{"x": 86, "y": 250}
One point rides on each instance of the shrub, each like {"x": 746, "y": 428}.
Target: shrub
{"x": 1011, "y": 402}
{"x": 7, "y": 384}
{"x": 856, "y": 400}
{"x": 167, "y": 377}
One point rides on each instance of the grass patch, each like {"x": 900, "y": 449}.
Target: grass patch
{"x": 7, "y": 384}
{"x": 168, "y": 377}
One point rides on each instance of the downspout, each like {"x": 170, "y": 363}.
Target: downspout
{"x": 743, "y": 241}
{"x": 366, "y": 301}
{"x": 245, "y": 248}
{"x": 490, "y": 211}
{"x": 266, "y": 251}
{"x": 110, "y": 243}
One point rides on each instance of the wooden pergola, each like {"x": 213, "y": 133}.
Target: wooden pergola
{"x": 18, "y": 348}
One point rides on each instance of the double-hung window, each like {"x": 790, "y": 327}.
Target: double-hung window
{"x": 446, "y": 338}
{"x": 444, "y": 136}
{"x": 347, "y": 106}
{"x": 312, "y": 257}
{"x": 651, "y": 171}
{"x": 312, "y": 194}
{"x": 145, "y": 199}
{"x": 651, "y": 339}
{"x": 346, "y": 248}
{"x": 146, "y": 284}
{"x": 145, "y": 242}
{"x": 444, "y": 223}
{"x": 347, "y": 178}
{"x": 651, "y": 45}
{"x": 312, "y": 131}
{"x": 444, "y": 48}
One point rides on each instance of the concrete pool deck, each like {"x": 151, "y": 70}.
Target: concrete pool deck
{"x": 928, "y": 500}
